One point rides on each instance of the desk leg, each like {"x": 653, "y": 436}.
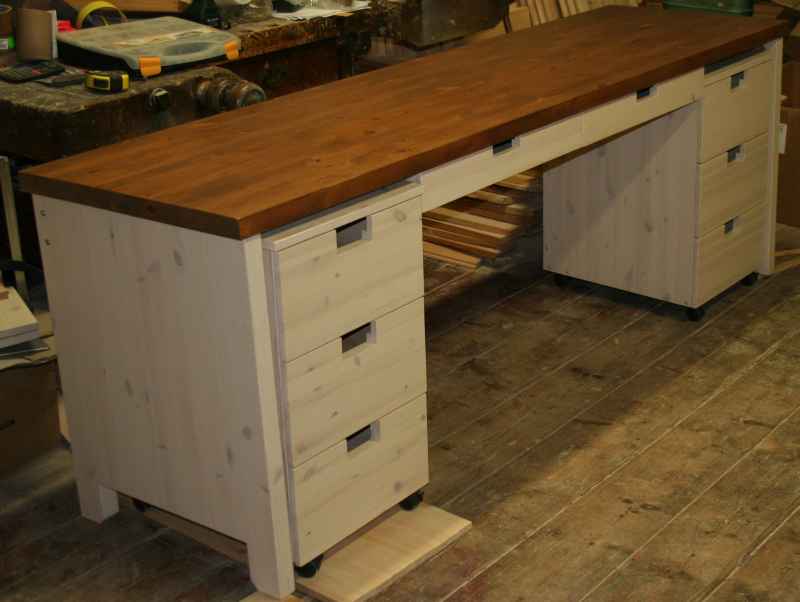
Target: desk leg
{"x": 12, "y": 226}
{"x": 768, "y": 257}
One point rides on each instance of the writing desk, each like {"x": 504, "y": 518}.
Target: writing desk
{"x": 238, "y": 300}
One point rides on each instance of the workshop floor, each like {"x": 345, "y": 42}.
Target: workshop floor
{"x": 604, "y": 447}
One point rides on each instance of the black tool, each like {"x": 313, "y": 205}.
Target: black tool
{"x": 71, "y": 77}
{"x": 285, "y": 6}
{"x": 25, "y": 72}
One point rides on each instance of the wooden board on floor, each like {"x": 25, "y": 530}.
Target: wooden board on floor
{"x": 367, "y": 564}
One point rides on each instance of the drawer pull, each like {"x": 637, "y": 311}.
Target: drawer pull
{"x": 735, "y": 153}
{"x": 737, "y": 79}
{"x": 352, "y": 233}
{"x": 360, "y": 437}
{"x": 645, "y": 92}
{"x": 501, "y": 147}
{"x": 729, "y": 225}
{"x": 358, "y": 336}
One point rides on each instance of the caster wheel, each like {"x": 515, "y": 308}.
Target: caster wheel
{"x": 561, "y": 280}
{"x": 307, "y": 571}
{"x": 412, "y": 501}
{"x": 750, "y": 279}
{"x": 140, "y": 505}
{"x": 695, "y": 314}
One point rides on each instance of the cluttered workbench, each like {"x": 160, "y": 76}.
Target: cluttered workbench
{"x": 275, "y": 56}
{"x": 42, "y": 123}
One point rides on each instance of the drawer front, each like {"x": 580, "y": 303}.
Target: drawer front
{"x": 467, "y": 174}
{"x": 736, "y": 109}
{"x": 642, "y": 106}
{"x": 354, "y": 380}
{"x": 729, "y": 252}
{"x": 732, "y": 182}
{"x": 330, "y": 284}
{"x": 340, "y": 490}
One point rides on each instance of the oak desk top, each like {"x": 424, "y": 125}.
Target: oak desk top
{"x": 240, "y": 173}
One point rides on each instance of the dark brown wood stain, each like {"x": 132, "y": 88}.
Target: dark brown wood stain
{"x": 241, "y": 173}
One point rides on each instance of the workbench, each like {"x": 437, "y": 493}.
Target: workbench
{"x": 42, "y": 123}
{"x": 264, "y": 267}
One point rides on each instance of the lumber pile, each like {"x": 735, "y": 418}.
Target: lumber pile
{"x": 524, "y": 14}
{"x": 484, "y": 224}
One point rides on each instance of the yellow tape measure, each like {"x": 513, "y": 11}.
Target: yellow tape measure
{"x": 107, "y": 81}
{"x": 88, "y": 9}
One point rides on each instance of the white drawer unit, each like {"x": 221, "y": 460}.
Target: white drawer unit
{"x": 357, "y": 262}
{"x": 641, "y": 106}
{"x": 736, "y": 109}
{"x": 681, "y": 208}
{"x": 732, "y": 182}
{"x": 346, "y": 486}
{"x": 353, "y": 380}
{"x": 728, "y": 253}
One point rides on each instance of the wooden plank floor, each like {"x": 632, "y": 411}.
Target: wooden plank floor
{"x": 604, "y": 447}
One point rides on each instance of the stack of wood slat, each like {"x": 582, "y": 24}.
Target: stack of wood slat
{"x": 484, "y": 224}
{"x": 525, "y": 14}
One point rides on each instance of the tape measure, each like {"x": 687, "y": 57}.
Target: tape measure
{"x": 107, "y": 81}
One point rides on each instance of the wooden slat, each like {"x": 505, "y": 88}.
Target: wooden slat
{"x": 475, "y": 221}
{"x": 465, "y": 235}
{"x": 382, "y": 553}
{"x": 472, "y": 249}
{"x": 522, "y": 182}
{"x": 450, "y": 255}
{"x": 244, "y": 172}
{"x": 491, "y": 197}
{"x": 518, "y": 213}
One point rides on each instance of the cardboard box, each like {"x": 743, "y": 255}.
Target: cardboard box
{"x": 789, "y": 165}
{"x": 28, "y": 413}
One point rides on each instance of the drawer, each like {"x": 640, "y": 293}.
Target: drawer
{"x": 346, "y": 486}
{"x": 331, "y": 283}
{"x": 736, "y": 109}
{"x": 642, "y": 106}
{"x": 732, "y": 182}
{"x": 729, "y": 252}
{"x": 465, "y": 175}
{"x": 354, "y": 380}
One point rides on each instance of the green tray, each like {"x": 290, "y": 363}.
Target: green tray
{"x": 729, "y": 7}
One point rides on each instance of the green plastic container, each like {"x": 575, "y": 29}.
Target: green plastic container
{"x": 742, "y": 8}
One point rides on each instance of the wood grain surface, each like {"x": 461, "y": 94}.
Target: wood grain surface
{"x": 240, "y": 173}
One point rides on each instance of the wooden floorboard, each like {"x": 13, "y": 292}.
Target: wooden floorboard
{"x": 604, "y": 447}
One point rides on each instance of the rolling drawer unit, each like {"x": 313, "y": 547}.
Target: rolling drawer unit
{"x": 272, "y": 381}
{"x": 345, "y": 293}
{"x": 666, "y": 229}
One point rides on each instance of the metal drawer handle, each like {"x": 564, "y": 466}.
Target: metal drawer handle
{"x": 729, "y": 225}
{"x": 735, "y": 153}
{"x": 360, "y": 437}
{"x": 645, "y": 92}
{"x": 737, "y": 79}
{"x": 353, "y": 232}
{"x": 501, "y": 147}
{"x": 358, "y": 336}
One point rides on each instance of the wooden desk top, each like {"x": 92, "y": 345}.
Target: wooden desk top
{"x": 240, "y": 173}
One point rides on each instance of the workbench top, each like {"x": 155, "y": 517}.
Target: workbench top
{"x": 241, "y": 173}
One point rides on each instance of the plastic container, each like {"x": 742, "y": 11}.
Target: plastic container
{"x": 742, "y": 8}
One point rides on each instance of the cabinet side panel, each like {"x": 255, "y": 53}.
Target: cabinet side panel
{"x": 164, "y": 337}
{"x": 622, "y": 214}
